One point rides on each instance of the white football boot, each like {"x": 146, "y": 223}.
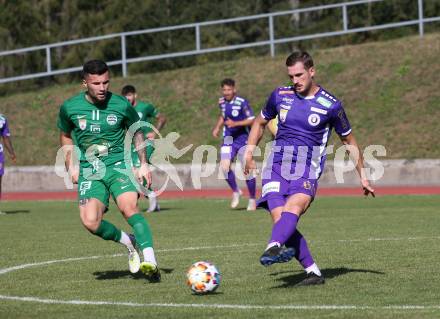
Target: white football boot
{"x": 134, "y": 261}
{"x": 252, "y": 204}
{"x": 235, "y": 199}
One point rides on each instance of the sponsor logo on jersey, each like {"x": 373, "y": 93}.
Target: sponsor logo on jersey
{"x": 287, "y": 100}
{"x": 95, "y": 128}
{"x": 283, "y": 115}
{"x": 236, "y": 107}
{"x": 286, "y": 107}
{"x": 82, "y": 123}
{"x": 317, "y": 110}
{"x": 271, "y": 187}
{"x": 237, "y": 103}
{"x": 324, "y": 102}
{"x": 314, "y": 119}
{"x": 112, "y": 119}
{"x": 234, "y": 113}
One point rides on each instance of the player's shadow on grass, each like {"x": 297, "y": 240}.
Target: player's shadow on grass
{"x": 329, "y": 273}
{"x": 18, "y": 211}
{"x": 118, "y": 274}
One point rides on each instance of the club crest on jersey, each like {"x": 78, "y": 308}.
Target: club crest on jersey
{"x": 82, "y": 123}
{"x": 307, "y": 185}
{"x": 234, "y": 113}
{"x": 314, "y": 119}
{"x": 283, "y": 115}
{"x": 112, "y": 119}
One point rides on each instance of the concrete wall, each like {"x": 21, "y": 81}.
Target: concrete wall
{"x": 395, "y": 172}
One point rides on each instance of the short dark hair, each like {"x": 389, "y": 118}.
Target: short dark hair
{"x": 128, "y": 89}
{"x": 228, "y": 82}
{"x": 94, "y": 67}
{"x": 300, "y": 56}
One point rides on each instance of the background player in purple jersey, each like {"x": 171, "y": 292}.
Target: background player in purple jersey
{"x": 236, "y": 117}
{"x": 306, "y": 115}
{"x": 5, "y": 134}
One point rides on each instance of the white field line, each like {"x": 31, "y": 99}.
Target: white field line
{"x": 19, "y": 267}
{"x": 220, "y": 306}
{"x": 386, "y": 239}
{"x": 214, "y": 306}
{"x": 44, "y": 263}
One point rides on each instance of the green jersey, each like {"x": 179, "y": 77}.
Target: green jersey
{"x": 98, "y": 129}
{"x": 147, "y": 113}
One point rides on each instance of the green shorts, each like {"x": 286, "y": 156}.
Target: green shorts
{"x": 113, "y": 183}
{"x": 149, "y": 149}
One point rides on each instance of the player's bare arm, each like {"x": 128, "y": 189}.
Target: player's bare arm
{"x": 66, "y": 142}
{"x": 355, "y": 154}
{"x": 160, "y": 123}
{"x": 8, "y": 145}
{"x": 246, "y": 122}
{"x": 217, "y": 126}
{"x": 143, "y": 171}
{"x": 257, "y": 130}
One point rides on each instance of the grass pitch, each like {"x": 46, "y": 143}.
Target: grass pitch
{"x": 380, "y": 258}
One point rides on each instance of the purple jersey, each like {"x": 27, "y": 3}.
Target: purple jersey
{"x": 4, "y": 129}
{"x": 304, "y": 127}
{"x": 238, "y": 109}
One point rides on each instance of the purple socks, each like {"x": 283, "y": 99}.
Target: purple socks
{"x": 302, "y": 253}
{"x": 230, "y": 178}
{"x": 251, "y": 184}
{"x": 252, "y": 187}
{"x": 284, "y": 228}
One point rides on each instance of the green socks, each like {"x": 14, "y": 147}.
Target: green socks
{"x": 141, "y": 231}
{"x": 108, "y": 231}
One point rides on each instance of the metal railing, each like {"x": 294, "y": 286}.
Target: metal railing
{"x": 271, "y": 42}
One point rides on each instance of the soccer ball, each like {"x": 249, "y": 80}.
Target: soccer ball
{"x": 203, "y": 277}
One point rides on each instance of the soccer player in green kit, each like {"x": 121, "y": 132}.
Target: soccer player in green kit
{"x": 97, "y": 120}
{"x": 147, "y": 112}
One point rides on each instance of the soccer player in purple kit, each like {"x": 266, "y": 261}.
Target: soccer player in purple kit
{"x": 5, "y": 134}
{"x": 236, "y": 117}
{"x": 306, "y": 115}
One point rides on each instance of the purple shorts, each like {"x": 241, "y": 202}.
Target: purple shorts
{"x": 276, "y": 189}
{"x": 2, "y": 164}
{"x": 230, "y": 150}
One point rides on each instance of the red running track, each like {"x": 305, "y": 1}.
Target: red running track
{"x": 226, "y": 193}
